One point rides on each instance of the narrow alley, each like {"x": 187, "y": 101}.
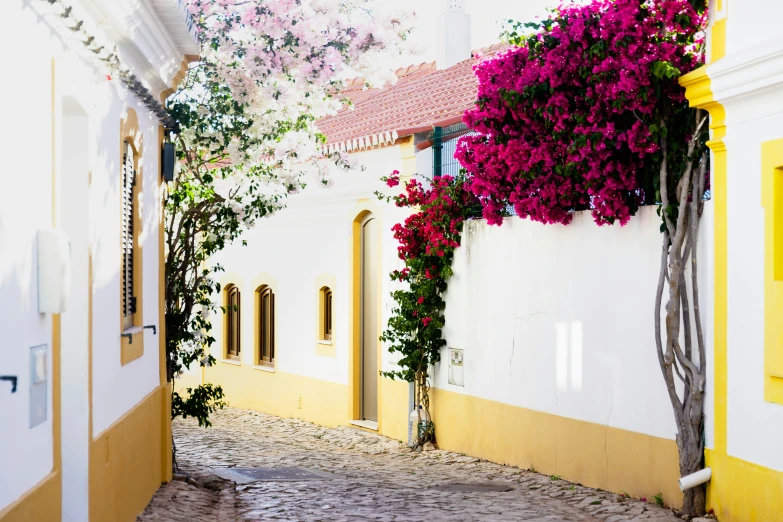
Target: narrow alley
{"x": 350, "y": 474}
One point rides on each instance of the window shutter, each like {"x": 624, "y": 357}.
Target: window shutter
{"x": 128, "y": 182}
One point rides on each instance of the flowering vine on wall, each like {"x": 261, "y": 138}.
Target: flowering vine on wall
{"x": 427, "y": 240}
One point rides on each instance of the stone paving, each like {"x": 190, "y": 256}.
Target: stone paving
{"x": 376, "y": 479}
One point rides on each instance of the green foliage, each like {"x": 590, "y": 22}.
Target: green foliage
{"x": 199, "y": 403}
{"x": 658, "y": 499}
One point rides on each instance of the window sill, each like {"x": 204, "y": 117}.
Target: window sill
{"x": 133, "y": 330}
{"x": 232, "y": 362}
{"x": 323, "y": 341}
{"x": 264, "y": 368}
{"x": 325, "y": 349}
{"x": 130, "y": 351}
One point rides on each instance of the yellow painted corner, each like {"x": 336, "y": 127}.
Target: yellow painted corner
{"x": 743, "y": 492}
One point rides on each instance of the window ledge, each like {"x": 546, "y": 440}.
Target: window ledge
{"x": 232, "y": 361}
{"x": 323, "y": 341}
{"x": 264, "y": 368}
{"x": 133, "y": 330}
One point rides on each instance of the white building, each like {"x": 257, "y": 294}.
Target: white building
{"x": 551, "y": 360}
{"x": 84, "y": 404}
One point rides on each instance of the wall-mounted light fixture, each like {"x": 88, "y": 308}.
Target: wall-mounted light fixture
{"x": 168, "y": 159}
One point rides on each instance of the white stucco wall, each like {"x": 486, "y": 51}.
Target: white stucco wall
{"x": 311, "y": 237}
{"x": 25, "y": 206}
{"x": 117, "y": 388}
{"x": 748, "y": 84}
{"x": 62, "y": 119}
{"x": 750, "y": 22}
{"x": 559, "y": 319}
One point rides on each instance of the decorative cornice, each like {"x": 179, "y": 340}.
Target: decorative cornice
{"x": 698, "y": 91}
{"x": 745, "y": 73}
{"x": 105, "y": 55}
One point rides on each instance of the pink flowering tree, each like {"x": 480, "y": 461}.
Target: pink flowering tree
{"x": 587, "y": 113}
{"x": 247, "y": 138}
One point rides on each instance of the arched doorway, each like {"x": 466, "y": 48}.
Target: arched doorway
{"x": 370, "y": 262}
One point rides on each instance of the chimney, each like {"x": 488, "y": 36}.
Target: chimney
{"x": 453, "y": 33}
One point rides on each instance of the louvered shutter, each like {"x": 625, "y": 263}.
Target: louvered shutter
{"x": 128, "y": 182}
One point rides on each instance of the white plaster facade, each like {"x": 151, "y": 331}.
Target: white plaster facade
{"x": 62, "y": 155}
{"x": 748, "y": 82}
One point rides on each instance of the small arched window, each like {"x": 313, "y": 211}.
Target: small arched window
{"x": 326, "y": 314}
{"x": 233, "y": 324}
{"x": 266, "y": 325}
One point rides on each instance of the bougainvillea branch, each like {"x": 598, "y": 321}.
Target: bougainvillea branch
{"x": 427, "y": 240}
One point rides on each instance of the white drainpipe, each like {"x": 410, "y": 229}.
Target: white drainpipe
{"x": 695, "y": 479}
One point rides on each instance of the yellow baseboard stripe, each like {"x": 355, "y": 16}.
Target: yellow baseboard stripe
{"x": 125, "y": 462}
{"x": 591, "y": 454}
{"x": 279, "y": 393}
{"x": 42, "y": 503}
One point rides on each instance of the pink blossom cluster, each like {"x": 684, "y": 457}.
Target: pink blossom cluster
{"x": 282, "y": 62}
{"x": 569, "y": 119}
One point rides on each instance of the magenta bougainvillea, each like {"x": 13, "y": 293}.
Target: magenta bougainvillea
{"x": 427, "y": 240}
{"x": 573, "y": 118}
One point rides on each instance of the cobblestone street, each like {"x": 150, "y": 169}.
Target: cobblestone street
{"x": 372, "y": 478}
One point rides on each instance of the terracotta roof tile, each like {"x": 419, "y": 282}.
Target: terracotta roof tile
{"x": 423, "y": 97}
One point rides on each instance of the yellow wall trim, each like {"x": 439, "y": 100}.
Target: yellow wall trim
{"x": 125, "y": 462}
{"x": 718, "y": 40}
{"x": 744, "y": 492}
{"x": 590, "y": 454}
{"x": 42, "y": 503}
{"x": 277, "y": 393}
{"x": 130, "y": 133}
{"x": 772, "y": 201}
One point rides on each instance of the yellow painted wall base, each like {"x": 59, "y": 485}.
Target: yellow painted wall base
{"x": 125, "y": 462}
{"x": 591, "y": 454}
{"x": 394, "y": 409}
{"x": 322, "y": 402}
{"x": 43, "y": 503}
{"x": 743, "y": 492}
{"x": 246, "y": 387}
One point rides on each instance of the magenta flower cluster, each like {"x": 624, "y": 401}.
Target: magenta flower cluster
{"x": 570, "y": 118}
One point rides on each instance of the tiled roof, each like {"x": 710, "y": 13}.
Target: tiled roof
{"x": 424, "y": 97}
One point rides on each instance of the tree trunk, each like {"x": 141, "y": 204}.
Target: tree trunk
{"x": 679, "y": 359}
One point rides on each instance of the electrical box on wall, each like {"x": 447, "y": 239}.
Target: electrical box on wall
{"x": 54, "y": 271}
{"x": 456, "y": 368}
{"x": 39, "y": 392}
